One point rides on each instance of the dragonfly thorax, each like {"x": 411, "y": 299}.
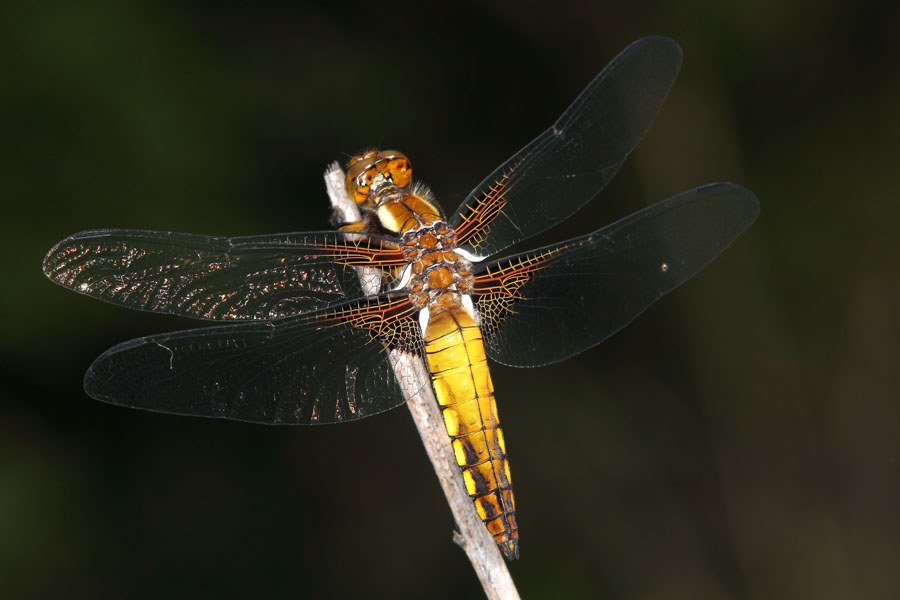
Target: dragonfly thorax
{"x": 405, "y": 212}
{"x": 436, "y": 269}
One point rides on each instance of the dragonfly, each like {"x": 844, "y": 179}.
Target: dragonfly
{"x": 302, "y": 339}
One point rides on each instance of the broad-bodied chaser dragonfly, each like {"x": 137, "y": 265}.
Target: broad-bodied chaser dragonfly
{"x": 307, "y": 344}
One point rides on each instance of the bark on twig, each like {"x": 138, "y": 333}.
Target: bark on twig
{"x": 473, "y": 536}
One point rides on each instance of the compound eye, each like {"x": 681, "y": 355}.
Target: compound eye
{"x": 395, "y": 167}
{"x": 359, "y": 176}
{"x": 365, "y": 155}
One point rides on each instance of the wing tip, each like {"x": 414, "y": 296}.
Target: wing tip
{"x": 98, "y": 376}
{"x": 742, "y": 197}
{"x": 48, "y": 261}
{"x": 672, "y": 48}
{"x": 52, "y": 257}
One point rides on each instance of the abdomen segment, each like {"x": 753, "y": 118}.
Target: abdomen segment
{"x": 462, "y": 384}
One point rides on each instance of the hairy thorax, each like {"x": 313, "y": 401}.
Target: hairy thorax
{"x": 438, "y": 274}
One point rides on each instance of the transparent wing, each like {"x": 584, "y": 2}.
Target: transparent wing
{"x": 567, "y": 165}
{"x": 217, "y": 278}
{"x": 325, "y": 367}
{"x": 544, "y": 306}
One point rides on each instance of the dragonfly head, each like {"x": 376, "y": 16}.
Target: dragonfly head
{"x": 375, "y": 174}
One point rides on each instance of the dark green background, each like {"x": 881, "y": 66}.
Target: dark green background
{"x": 740, "y": 440}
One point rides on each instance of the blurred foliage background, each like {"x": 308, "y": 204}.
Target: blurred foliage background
{"x": 740, "y": 440}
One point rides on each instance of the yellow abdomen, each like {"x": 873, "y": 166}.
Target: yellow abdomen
{"x": 462, "y": 384}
